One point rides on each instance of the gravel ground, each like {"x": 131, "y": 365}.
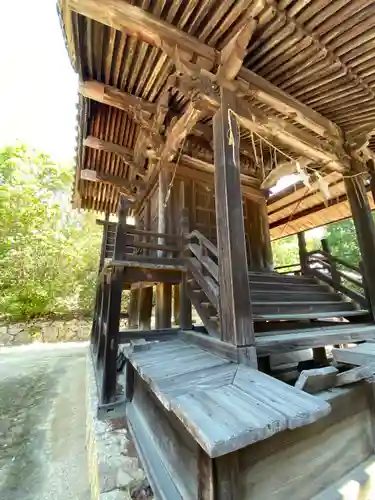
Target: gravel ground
{"x": 42, "y": 423}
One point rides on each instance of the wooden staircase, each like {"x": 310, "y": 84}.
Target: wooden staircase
{"x": 275, "y": 298}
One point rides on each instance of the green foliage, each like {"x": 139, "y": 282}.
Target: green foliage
{"x": 342, "y": 240}
{"x": 285, "y": 250}
{"x": 48, "y": 252}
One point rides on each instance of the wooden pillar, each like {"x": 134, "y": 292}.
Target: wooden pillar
{"x": 104, "y": 241}
{"x": 115, "y": 283}
{"x": 258, "y": 231}
{"x": 235, "y": 309}
{"x": 145, "y": 308}
{"x": 326, "y": 248}
{"x": 302, "y": 251}
{"x": 133, "y": 308}
{"x": 365, "y": 229}
{"x": 163, "y": 306}
{"x": 176, "y": 304}
{"x": 185, "y": 302}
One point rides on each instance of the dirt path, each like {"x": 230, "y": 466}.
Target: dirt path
{"x": 42, "y": 423}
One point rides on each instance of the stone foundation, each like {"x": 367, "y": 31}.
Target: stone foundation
{"x": 114, "y": 469}
{"x": 53, "y": 330}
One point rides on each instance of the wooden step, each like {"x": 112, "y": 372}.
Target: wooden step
{"x": 310, "y": 315}
{"x": 279, "y": 278}
{"x": 291, "y": 296}
{"x": 293, "y": 287}
{"x": 287, "y": 341}
{"x": 302, "y": 307}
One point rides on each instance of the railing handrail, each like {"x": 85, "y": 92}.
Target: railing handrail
{"x": 336, "y": 259}
{"x": 203, "y": 240}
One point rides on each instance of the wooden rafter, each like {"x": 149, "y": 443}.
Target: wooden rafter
{"x": 123, "y": 16}
{"x": 110, "y": 147}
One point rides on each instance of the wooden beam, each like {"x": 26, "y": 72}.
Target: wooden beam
{"x": 126, "y": 188}
{"x": 207, "y": 177}
{"x": 100, "y": 145}
{"x": 270, "y": 127}
{"x": 269, "y": 94}
{"x": 114, "y": 97}
{"x": 359, "y": 138}
{"x": 280, "y": 131}
{"x": 110, "y": 147}
{"x": 133, "y": 20}
{"x": 123, "y": 16}
{"x": 235, "y": 302}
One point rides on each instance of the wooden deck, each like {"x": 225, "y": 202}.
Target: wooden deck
{"x": 224, "y": 406}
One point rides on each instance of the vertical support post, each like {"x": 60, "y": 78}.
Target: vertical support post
{"x": 365, "y": 229}
{"x": 332, "y": 264}
{"x": 235, "y": 304}
{"x": 185, "y": 303}
{"x": 133, "y": 308}
{"x": 163, "y": 306}
{"x": 302, "y": 251}
{"x": 111, "y": 325}
{"x": 145, "y": 308}
{"x": 227, "y": 477}
{"x": 99, "y": 288}
{"x": 176, "y": 304}
{"x": 104, "y": 241}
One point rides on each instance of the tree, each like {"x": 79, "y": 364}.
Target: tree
{"x": 48, "y": 252}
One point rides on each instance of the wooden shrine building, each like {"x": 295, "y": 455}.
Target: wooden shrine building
{"x": 190, "y": 112}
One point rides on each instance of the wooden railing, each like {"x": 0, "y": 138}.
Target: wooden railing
{"x": 149, "y": 243}
{"x": 201, "y": 260}
{"x": 343, "y": 276}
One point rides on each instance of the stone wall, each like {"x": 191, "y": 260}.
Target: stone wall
{"x": 52, "y": 330}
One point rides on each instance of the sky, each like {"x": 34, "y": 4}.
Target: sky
{"x": 38, "y": 87}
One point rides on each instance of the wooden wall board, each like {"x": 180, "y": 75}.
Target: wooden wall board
{"x": 298, "y": 465}
{"x": 178, "y": 452}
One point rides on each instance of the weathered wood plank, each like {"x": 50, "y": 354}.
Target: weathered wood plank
{"x": 317, "y": 379}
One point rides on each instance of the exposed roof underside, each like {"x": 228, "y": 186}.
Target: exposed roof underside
{"x": 321, "y": 52}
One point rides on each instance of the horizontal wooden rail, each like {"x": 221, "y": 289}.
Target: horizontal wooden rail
{"x": 153, "y": 246}
{"x": 141, "y": 232}
{"x": 287, "y": 266}
{"x": 336, "y": 259}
